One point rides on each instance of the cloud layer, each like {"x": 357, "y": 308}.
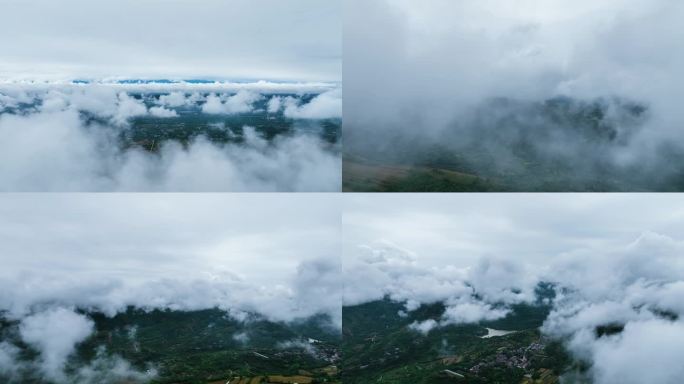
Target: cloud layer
{"x": 63, "y": 137}
{"x": 65, "y": 255}
{"x": 614, "y": 260}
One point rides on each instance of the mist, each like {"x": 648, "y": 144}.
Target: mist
{"x": 537, "y": 96}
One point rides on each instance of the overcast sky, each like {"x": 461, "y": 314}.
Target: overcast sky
{"x": 239, "y": 243}
{"x": 294, "y": 40}
{"x": 260, "y": 237}
{"x": 459, "y": 229}
{"x": 428, "y": 248}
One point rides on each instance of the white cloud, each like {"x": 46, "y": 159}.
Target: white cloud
{"x": 461, "y": 311}
{"x": 615, "y": 260}
{"x": 318, "y": 287}
{"x": 70, "y": 154}
{"x": 241, "y": 102}
{"x": 327, "y": 105}
{"x": 424, "y": 327}
{"x": 274, "y": 104}
{"x": 162, "y": 112}
{"x": 105, "y": 369}
{"x": 213, "y": 105}
{"x": 128, "y": 107}
{"x": 299, "y": 344}
{"x": 173, "y": 99}
{"x": 55, "y": 334}
{"x": 386, "y": 270}
{"x": 471, "y": 312}
{"x": 108, "y": 252}
{"x": 648, "y": 351}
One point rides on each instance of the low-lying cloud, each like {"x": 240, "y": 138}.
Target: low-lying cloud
{"x": 55, "y": 333}
{"x": 421, "y": 77}
{"x": 636, "y": 287}
{"x": 106, "y": 254}
{"x": 65, "y": 138}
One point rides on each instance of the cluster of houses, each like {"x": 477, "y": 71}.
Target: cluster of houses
{"x": 518, "y": 358}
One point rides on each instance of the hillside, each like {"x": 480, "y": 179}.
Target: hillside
{"x": 203, "y": 346}
{"x": 380, "y": 347}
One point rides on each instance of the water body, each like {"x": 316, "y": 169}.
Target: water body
{"x": 491, "y": 332}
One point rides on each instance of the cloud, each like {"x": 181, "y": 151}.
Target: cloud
{"x": 612, "y": 260}
{"x": 173, "y": 99}
{"x": 73, "y": 149}
{"x": 162, "y": 112}
{"x": 376, "y": 271}
{"x": 424, "y": 327}
{"x": 327, "y": 105}
{"x": 241, "y": 102}
{"x": 384, "y": 270}
{"x": 9, "y": 356}
{"x": 631, "y": 286}
{"x": 128, "y": 107}
{"x": 472, "y": 312}
{"x": 181, "y": 252}
{"x": 110, "y": 369}
{"x": 318, "y": 287}
{"x": 102, "y": 368}
{"x": 106, "y": 253}
{"x": 274, "y": 104}
{"x": 436, "y": 83}
{"x": 55, "y": 333}
{"x": 646, "y": 351}
{"x": 460, "y": 311}
{"x": 199, "y": 290}
{"x": 303, "y": 345}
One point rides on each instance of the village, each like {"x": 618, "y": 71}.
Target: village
{"x": 324, "y": 352}
{"x": 520, "y": 358}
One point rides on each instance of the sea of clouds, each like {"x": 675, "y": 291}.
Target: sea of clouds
{"x": 50, "y": 145}
{"x": 423, "y": 74}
